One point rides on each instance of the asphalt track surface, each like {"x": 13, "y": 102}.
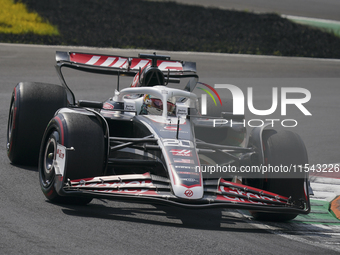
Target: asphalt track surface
{"x": 322, "y": 9}
{"x": 31, "y": 225}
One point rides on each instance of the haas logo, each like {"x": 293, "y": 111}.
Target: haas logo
{"x": 188, "y": 193}
{"x": 60, "y": 154}
{"x": 178, "y": 152}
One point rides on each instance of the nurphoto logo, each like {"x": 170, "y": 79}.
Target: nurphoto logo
{"x": 301, "y": 96}
{"x": 204, "y": 97}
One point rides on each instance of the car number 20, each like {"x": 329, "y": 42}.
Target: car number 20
{"x": 178, "y": 143}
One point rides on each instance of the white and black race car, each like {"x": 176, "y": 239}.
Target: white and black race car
{"x": 150, "y": 143}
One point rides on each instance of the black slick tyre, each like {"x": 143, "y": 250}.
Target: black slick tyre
{"x": 85, "y": 134}
{"x": 33, "y": 105}
{"x": 283, "y": 148}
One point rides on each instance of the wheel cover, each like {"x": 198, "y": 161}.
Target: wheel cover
{"x": 48, "y": 173}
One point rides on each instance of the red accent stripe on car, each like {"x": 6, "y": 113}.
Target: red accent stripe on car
{"x": 61, "y": 129}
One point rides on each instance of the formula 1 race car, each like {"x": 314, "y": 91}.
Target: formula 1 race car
{"x": 150, "y": 143}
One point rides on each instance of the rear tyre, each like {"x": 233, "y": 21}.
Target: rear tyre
{"x": 85, "y": 134}
{"x": 283, "y": 148}
{"x": 33, "y": 105}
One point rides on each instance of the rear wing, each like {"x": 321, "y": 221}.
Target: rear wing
{"x": 118, "y": 65}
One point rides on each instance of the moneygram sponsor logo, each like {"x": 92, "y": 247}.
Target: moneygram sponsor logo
{"x": 184, "y": 161}
{"x": 288, "y": 96}
{"x": 189, "y": 179}
{"x": 188, "y": 173}
{"x": 172, "y": 128}
{"x": 185, "y": 167}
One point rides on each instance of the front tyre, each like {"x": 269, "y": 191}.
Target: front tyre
{"x": 287, "y": 149}
{"x": 82, "y": 132}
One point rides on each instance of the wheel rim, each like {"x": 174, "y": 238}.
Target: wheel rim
{"x": 48, "y": 173}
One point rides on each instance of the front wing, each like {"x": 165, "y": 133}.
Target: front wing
{"x": 147, "y": 188}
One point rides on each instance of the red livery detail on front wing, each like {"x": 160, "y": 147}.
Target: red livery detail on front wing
{"x": 143, "y": 185}
{"x": 241, "y": 186}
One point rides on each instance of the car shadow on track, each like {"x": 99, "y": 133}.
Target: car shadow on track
{"x": 27, "y": 168}
{"x": 205, "y": 219}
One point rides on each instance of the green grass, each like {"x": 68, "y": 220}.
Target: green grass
{"x": 178, "y": 27}
{"x": 332, "y": 27}
{"x": 320, "y": 214}
{"x": 15, "y": 19}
